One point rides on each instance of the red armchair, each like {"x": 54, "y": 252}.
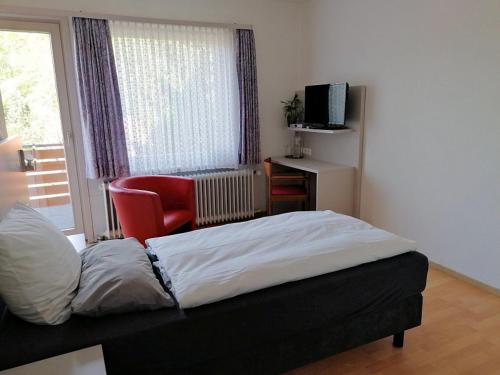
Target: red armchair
{"x": 153, "y": 206}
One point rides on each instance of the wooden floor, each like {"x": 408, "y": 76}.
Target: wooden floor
{"x": 460, "y": 334}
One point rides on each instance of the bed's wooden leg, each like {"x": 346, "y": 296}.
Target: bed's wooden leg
{"x": 398, "y": 339}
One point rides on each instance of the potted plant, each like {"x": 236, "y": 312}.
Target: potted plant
{"x": 293, "y": 110}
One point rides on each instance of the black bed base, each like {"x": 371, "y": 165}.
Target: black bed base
{"x": 268, "y": 331}
{"x": 297, "y": 350}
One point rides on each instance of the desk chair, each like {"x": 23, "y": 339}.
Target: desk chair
{"x": 279, "y": 192}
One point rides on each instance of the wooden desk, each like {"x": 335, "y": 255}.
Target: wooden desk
{"x": 332, "y": 185}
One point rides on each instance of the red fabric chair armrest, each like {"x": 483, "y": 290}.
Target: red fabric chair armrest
{"x": 178, "y": 193}
{"x": 140, "y": 212}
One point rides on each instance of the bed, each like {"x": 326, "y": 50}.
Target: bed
{"x": 264, "y": 332}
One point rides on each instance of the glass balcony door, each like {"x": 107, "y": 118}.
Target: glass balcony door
{"x": 35, "y": 108}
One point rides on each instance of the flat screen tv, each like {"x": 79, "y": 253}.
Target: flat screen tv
{"x": 325, "y": 104}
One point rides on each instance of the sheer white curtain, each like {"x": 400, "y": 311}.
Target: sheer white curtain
{"x": 179, "y": 92}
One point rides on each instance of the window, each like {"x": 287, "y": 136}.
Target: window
{"x": 179, "y": 94}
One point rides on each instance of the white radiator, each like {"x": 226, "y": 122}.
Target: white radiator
{"x": 113, "y": 229}
{"x": 220, "y": 197}
{"x": 224, "y": 196}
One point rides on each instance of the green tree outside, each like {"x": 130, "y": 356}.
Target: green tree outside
{"x": 28, "y": 87}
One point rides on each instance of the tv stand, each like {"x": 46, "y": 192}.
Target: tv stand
{"x": 324, "y": 127}
{"x": 322, "y": 131}
{"x": 336, "y": 127}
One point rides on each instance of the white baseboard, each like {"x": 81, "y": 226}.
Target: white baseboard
{"x": 467, "y": 279}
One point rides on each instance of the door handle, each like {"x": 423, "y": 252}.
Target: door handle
{"x": 27, "y": 161}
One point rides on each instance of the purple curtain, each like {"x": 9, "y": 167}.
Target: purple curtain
{"x": 104, "y": 135}
{"x": 249, "y": 149}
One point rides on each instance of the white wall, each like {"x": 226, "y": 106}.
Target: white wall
{"x": 432, "y": 154}
{"x": 277, "y": 35}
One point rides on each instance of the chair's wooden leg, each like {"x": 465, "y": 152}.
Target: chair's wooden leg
{"x": 398, "y": 339}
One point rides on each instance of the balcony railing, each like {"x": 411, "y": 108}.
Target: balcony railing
{"x": 48, "y": 184}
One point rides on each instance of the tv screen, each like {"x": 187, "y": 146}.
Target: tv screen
{"x": 325, "y": 104}
{"x": 316, "y": 104}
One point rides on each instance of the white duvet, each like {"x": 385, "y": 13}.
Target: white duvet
{"x": 212, "y": 264}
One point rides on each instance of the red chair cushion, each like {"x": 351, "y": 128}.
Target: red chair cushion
{"x": 287, "y": 190}
{"x": 174, "y": 219}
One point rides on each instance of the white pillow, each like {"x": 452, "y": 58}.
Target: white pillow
{"x": 39, "y": 267}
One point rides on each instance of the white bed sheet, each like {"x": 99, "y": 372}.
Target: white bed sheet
{"x": 212, "y": 264}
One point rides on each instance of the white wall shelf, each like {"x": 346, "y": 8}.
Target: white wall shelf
{"x": 323, "y": 131}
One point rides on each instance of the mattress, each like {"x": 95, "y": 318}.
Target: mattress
{"x": 175, "y": 339}
{"x": 212, "y": 264}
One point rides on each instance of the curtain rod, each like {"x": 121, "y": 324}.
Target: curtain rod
{"x": 51, "y": 13}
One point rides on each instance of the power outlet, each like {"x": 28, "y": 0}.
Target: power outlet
{"x": 307, "y": 151}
